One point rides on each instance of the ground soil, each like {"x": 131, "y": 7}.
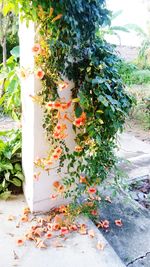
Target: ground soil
{"x": 131, "y": 241}
{"x": 133, "y": 127}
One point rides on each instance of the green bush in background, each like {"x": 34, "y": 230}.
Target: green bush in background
{"x": 11, "y": 175}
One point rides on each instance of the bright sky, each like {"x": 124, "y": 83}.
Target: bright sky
{"x": 134, "y": 11}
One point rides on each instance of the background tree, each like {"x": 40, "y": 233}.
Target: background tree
{"x": 8, "y": 35}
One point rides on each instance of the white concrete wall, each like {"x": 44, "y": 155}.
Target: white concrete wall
{"x": 34, "y": 144}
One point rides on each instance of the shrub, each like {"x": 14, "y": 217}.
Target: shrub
{"x": 10, "y": 101}
{"x": 11, "y": 175}
{"x": 140, "y": 77}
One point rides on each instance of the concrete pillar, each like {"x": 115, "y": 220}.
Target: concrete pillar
{"x": 34, "y": 143}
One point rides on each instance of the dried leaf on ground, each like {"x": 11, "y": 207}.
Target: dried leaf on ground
{"x": 11, "y": 218}
{"x": 15, "y": 255}
{"x": 100, "y": 245}
{"x": 91, "y": 233}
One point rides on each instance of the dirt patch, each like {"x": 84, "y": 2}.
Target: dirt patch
{"x": 140, "y": 192}
{"x": 134, "y": 127}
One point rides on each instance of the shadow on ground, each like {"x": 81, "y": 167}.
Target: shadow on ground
{"x": 132, "y": 240}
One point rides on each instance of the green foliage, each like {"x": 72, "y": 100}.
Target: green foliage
{"x": 12, "y": 41}
{"x": 131, "y": 74}
{"x": 76, "y": 52}
{"x": 11, "y": 175}
{"x": 140, "y": 112}
{"x": 8, "y": 31}
{"x": 126, "y": 71}
{"x": 143, "y": 60}
{"x": 140, "y": 77}
{"x": 11, "y": 99}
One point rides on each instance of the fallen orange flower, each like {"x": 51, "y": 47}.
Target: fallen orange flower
{"x": 11, "y": 218}
{"x": 58, "y": 219}
{"x": 48, "y": 235}
{"x": 26, "y": 211}
{"x": 83, "y": 229}
{"x": 63, "y": 209}
{"x": 118, "y": 222}
{"x": 91, "y": 233}
{"x": 29, "y": 236}
{"x": 38, "y": 232}
{"x": 105, "y": 224}
{"x": 33, "y": 227}
{"x": 73, "y": 227}
{"x": 55, "y": 226}
{"x": 64, "y": 230}
{"x": 100, "y": 246}
{"x": 24, "y": 218}
{"x": 40, "y": 244}
{"x": 20, "y": 241}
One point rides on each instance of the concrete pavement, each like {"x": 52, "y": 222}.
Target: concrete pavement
{"x": 78, "y": 251}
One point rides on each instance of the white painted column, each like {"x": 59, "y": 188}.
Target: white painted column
{"x": 34, "y": 144}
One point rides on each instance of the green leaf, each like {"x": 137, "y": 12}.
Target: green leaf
{"x": 101, "y": 121}
{"x": 98, "y": 80}
{"x": 16, "y": 182}
{"x": 6, "y": 166}
{"x": 20, "y": 176}
{"x": 16, "y": 147}
{"x": 7, "y": 175}
{"x": 100, "y": 111}
{"x": 103, "y": 100}
{"x": 78, "y": 111}
{"x": 119, "y": 28}
{"x": 116, "y": 14}
{"x": 2, "y": 146}
{"x": 5, "y": 195}
{"x": 112, "y": 100}
{"x": 15, "y": 51}
{"x": 76, "y": 100}
{"x": 5, "y": 133}
{"x": 18, "y": 167}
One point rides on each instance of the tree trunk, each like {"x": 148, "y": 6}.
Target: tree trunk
{"x": 4, "y": 51}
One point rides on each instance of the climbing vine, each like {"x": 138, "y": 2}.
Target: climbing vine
{"x": 67, "y": 49}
